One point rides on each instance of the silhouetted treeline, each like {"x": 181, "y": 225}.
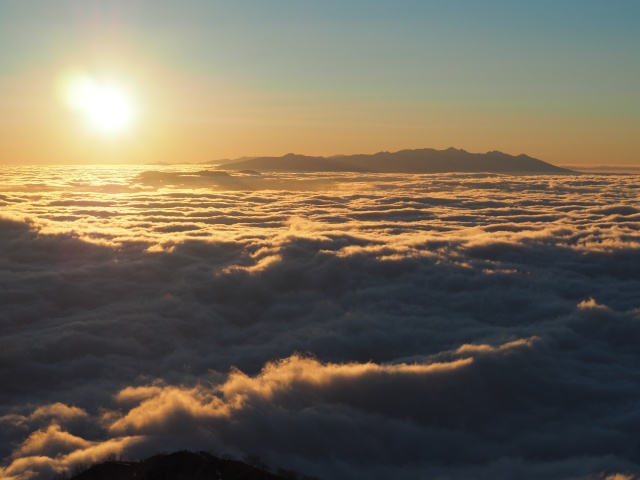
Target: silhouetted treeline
{"x": 182, "y": 465}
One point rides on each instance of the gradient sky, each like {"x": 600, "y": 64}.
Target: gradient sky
{"x": 557, "y": 80}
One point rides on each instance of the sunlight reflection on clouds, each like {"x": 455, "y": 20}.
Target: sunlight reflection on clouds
{"x": 460, "y": 325}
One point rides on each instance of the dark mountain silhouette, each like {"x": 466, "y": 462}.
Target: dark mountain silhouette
{"x": 426, "y": 160}
{"x": 185, "y": 466}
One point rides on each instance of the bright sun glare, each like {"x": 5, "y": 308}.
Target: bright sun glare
{"x": 107, "y": 107}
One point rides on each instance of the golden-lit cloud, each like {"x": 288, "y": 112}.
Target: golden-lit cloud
{"x": 50, "y": 442}
{"x": 469, "y": 349}
{"x": 591, "y": 304}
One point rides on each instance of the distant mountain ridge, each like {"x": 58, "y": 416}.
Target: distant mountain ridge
{"x": 425, "y": 160}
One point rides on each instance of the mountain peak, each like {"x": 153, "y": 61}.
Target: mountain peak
{"x": 179, "y": 465}
{"x": 426, "y": 160}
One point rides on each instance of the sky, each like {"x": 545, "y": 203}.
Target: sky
{"x": 207, "y": 80}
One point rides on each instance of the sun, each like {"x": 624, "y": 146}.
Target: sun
{"x": 104, "y": 106}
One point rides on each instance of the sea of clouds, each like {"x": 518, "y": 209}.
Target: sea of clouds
{"x": 346, "y": 326}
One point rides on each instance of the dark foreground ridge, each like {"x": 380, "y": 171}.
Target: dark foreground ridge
{"x": 426, "y": 160}
{"x": 185, "y": 466}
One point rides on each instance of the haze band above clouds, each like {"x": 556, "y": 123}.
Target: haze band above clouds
{"x": 454, "y": 326}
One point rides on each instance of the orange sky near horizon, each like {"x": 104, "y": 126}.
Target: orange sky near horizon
{"x": 229, "y": 122}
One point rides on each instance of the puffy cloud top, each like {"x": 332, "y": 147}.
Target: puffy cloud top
{"x": 346, "y": 326}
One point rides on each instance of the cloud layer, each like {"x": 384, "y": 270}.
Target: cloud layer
{"x": 436, "y": 326}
